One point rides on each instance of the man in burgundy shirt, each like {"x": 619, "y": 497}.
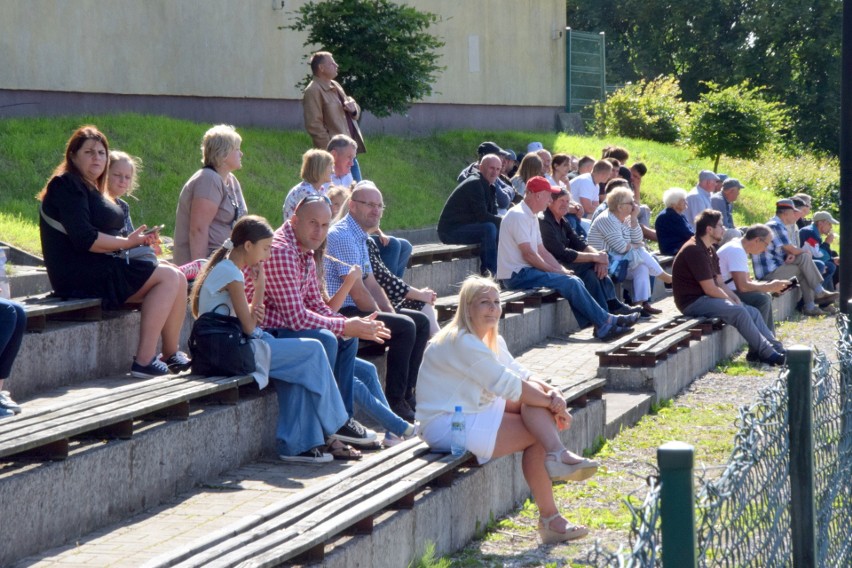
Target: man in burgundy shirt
{"x": 294, "y": 306}
{"x": 699, "y": 291}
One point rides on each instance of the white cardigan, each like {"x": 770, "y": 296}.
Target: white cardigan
{"x": 463, "y": 371}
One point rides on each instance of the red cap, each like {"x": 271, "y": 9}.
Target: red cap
{"x": 538, "y": 183}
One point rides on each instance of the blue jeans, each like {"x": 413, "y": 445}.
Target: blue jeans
{"x": 341, "y": 357}
{"x": 601, "y": 289}
{"x": 395, "y": 254}
{"x": 827, "y": 269}
{"x": 370, "y": 398}
{"x": 309, "y": 404}
{"x": 355, "y": 170}
{"x": 13, "y": 324}
{"x": 482, "y": 234}
{"x": 578, "y": 227}
{"x": 569, "y": 287}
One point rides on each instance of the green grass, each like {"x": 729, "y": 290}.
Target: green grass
{"x": 415, "y": 174}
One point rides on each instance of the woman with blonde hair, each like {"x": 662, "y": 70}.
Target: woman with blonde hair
{"x": 617, "y": 231}
{"x": 211, "y": 201}
{"x": 317, "y": 167}
{"x": 81, "y": 226}
{"x": 531, "y": 166}
{"x": 467, "y": 364}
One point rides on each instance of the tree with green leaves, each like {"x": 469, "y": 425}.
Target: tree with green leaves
{"x": 735, "y": 121}
{"x": 385, "y": 50}
{"x": 792, "y": 48}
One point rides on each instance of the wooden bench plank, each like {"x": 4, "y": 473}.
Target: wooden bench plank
{"x": 43, "y": 307}
{"x": 439, "y": 252}
{"x": 339, "y": 512}
{"x": 98, "y": 413}
{"x": 216, "y": 543}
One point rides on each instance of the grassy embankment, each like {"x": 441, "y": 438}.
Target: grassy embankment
{"x": 415, "y": 174}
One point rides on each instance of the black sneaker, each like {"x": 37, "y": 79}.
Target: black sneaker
{"x": 155, "y": 368}
{"x": 628, "y": 320}
{"x": 354, "y": 433}
{"x": 625, "y": 310}
{"x": 177, "y": 362}
{"x": 314, "y": 455}
{"x": 775, "y": 359}
{"x": 402, "y": 409}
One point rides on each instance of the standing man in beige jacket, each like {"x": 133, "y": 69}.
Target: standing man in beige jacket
{"x": 328, "y": 109}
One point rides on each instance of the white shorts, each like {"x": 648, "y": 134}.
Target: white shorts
{"x": 480, "y": 429}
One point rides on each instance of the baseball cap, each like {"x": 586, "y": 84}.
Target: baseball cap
{"x": 538, "y": 183}
{"x": 707, "y": 175}
{"x": 785, "y": 204}
{"x": 511, "y": 154}
{"x": 825, "y": 216}
{"x": 534, "y": 147}
{"x": 491, "y": 148}
{"x": 732, "y": 182}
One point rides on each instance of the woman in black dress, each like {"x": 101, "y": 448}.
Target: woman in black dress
{"x": 80, "y": 227}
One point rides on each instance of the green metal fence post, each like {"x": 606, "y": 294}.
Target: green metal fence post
{"x": 567, "y": 69}
{"x": 603, "y": 67}
{"x": 802, "y": 492}
{"x": 677, "y": 505}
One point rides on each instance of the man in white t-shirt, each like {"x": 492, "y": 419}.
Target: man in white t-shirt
{"x": 585, "y": 188}
{"x": 523, "y": 263}
{"x": 733, "y": 264}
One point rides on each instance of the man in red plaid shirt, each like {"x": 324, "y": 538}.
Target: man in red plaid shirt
{"x": 294, "y": 306}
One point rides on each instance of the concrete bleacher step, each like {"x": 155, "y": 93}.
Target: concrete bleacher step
{"x": 446, "y": 516}
{"x": 68, "y": 352}
{"x": 219, "y": 501}
{"x": 28, "y": 281}
{"x": 105, "y": 480}
{"x": 624, "y": 410}
{"x": 671, "y": 375}
{"x": 444, "y": 277}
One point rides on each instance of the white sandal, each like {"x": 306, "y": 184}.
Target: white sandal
{"x": 561, "y": 471}
{"x": 550, "y": 536}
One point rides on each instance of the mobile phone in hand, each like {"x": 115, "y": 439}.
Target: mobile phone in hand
{"x": 153, "y": 229}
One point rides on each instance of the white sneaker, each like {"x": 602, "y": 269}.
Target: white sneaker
{"x": 9, "y": 404}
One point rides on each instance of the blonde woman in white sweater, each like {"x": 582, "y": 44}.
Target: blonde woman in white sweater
{"x": 467, "y": 364}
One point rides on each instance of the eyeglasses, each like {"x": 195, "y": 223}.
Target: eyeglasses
{"x": 379, "y": 206}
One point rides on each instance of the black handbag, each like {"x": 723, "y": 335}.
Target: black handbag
{"x": 219, "y": 346}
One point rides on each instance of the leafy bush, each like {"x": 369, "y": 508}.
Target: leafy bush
{"x": 652, "y": 110}
{"x": 736, "y": 121}
{"x": 818, "y": 177}
{"x": 387, "y": 57}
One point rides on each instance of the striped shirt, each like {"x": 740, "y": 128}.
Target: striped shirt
{"x": 614, "y": 236}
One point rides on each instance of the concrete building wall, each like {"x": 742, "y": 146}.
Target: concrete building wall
{"x": 198, "y": 59}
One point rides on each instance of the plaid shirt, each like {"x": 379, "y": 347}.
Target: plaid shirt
{"x": 773, "y": 256}
{"x": 347, "y": 242}
{"x": 293, "y": 299}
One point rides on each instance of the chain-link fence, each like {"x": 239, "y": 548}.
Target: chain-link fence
{"x": 744, "y": 516}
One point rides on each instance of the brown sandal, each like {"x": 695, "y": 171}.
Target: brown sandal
{"x": 341, "y": 451}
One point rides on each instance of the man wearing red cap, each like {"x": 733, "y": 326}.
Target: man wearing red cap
{"x": 523, "y": 262}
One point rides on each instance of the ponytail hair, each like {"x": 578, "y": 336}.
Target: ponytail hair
{"x": 249, "y": 228}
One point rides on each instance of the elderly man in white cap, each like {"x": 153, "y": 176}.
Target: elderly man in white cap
{"x": 698, "y": 199}
{"x": 817, "y": 238}
{"x": 783, "y": 260}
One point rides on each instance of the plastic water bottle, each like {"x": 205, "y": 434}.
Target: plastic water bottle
{"x": 458, "y": 440}
{"x": 5, "y": 291}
